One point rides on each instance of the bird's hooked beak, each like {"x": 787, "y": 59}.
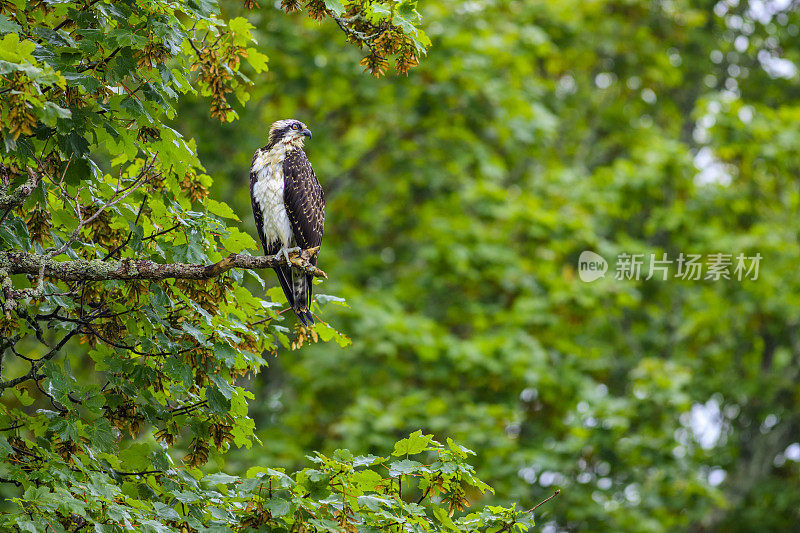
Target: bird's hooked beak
{"x": 306, "y": 132}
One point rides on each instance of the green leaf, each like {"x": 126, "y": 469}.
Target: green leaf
{"x": 176, "y": 369}
{"x": 366, "y": 460}
{"x": 22, "y": 396}
{"x": 373, "y": 503}
{"x": 165, "y": 511}
{"x": 16, "y": 51}
{"x": 184, "y": 496}
{"x": 238, "y": 241}
{"x": 223, "y": 385}
{"x": 259, "y": 471}
{"x": 442, "y": 517}
{"x": 405, "y": 25}
{"x": 51, "y": 112}
{"x": 279, "y": 507}
{"x": 60, "y": 383}
{"x": 405, "y": 466}
{"x": 336, "y": 6}
{"x": 224, "y": 353}
{"x": 77, "y": 170}
{"x": 136, "y": 457}
{"x": 195, "y": 332}
{"x": 7, "y": 25}
{"x": 242, "y": 432}
{"x": 5, "y": 447}
{"x": 100, "y": 435}
{"x": 220, "y": 209}
{"x": 30, "y": 526}
{"x": 460, "y": 451}
{"x": 257, "y": 60}
{"x": 75, "y": 144}
{"x": 322, "y": 299}
{"x": 203, "y": 7}
{"x": 220, "y": 477}
{"x": 125, "y": 37}
{"x": 217, "y": 401}
{"x": 326, "y": 333}
{"x": 366, "y": 480}
{"x": 14, "y": 234}
{"x": 240, "y": 27}
{"x": 413, "y": 444}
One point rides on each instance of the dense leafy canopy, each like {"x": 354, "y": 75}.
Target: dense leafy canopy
{"x": 459, "y": 199}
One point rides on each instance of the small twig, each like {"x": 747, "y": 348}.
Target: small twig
{"x": 64, "y": 175}
{"x": 196, "y": 51}
{"x": 263, "y": 320}
{"x": 186, "y": 409}
{"x": 129, "y": 348}
{"x": 162, "y": 232}
{"x": 556, "y": 493}
{"x": 95, "y": 64}
{"x": 23, "y": 451}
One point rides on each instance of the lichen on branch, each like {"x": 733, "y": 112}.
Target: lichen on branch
{"x": 16, "y": 262}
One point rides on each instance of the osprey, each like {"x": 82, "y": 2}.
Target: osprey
{"x": 288, "y": 206}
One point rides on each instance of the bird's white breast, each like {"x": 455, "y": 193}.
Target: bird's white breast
{"x": 268, "y": 192}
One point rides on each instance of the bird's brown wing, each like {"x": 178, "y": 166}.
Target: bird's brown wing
{"x": 304, "y": 200}
{"x": 305, "y": 203}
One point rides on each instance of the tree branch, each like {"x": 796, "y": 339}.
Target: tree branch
{"x": 556, "y": 493}
{"x": 9, "y": 200}
{"x": 16, "y": 262}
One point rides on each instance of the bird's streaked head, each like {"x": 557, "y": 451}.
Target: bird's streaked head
{"x": 289, "y": 131}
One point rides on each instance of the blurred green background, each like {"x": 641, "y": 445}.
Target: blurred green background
{"x": 459, "y": 198}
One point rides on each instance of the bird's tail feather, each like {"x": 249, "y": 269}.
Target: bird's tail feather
{"x": 305, "y": 317}
{"x": 285, "y": 279}
{"x": 295, "y": 284}
{"x": 301, "y": 296}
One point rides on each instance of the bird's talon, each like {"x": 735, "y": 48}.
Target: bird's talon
{"x": 288, "y": 251}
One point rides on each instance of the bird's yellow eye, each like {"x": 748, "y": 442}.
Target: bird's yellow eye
{"x": 295, "y": 126}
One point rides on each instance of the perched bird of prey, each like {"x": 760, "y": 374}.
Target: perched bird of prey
{"x": 288, "y": 206}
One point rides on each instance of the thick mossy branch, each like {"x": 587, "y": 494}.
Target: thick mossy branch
{"x": 97, "y": 270}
